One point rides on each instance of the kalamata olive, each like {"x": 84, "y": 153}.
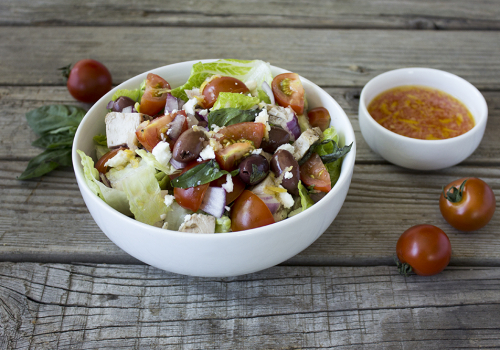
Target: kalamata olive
{"x": 277, "y": 137}
{"x": 188, "y": 146}
{"x": 279, "y": 163}
{"x": 253, "y": 169}
{"x": 122, "y": 102}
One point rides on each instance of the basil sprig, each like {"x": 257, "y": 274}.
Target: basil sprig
{"x": 336, "y": 154}
{"x": 201, "y": 174}
{"x": 56, "y": 125}
{"x": 228, "y": 116}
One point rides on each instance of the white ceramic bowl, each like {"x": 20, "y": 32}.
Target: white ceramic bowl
{"x": 422, "y": 154}
{"x": 214, "y": 255}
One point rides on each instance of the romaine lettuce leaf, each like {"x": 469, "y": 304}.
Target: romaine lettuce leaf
{"x": 133, "y": 94}
{"x": 232, "y": 100}
{"x": 151, "y": 160}
{"x": 246, "y": 71}
{"x": 113, "y": 197}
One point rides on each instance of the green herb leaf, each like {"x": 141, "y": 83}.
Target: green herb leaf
{"x": 256, "y": 174}
{"x": 336, "y": 154}
{"x": 101, "y": 140}
{"x": 55, "y": 118}
{"x": 46, "y": 162}
{"x": 54, "y": 141}
{"x": 228, "y": 116}
{"x": 201, "y": 174}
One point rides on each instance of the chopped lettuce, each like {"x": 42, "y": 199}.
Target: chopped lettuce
{"x": 333, "y": 167}
{"x": 163, "y": 180}
{"x": 133, "y": 94}
{"x": 247, "y": 71}
{"x": 222, "y": 224}
{"x": 305, "y": 200}
{"x": 151, "y": 160}
{"x": 113, "y": 197}
{"x": 232, "y": 100}
{"x": 176, "y": 216}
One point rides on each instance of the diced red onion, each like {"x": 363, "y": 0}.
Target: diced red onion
{"x": 127, "y": 109}
{"x": 176, "y": 164}
{"x": 269, "y": 92}
{"x": 214, "y": 201}
{"x": 171, "y": 104}
{"x": 200, "y": 116}
{"x": 272, "y": 203}
{"x": 293, "y": 126}
{"x": 104, "y": 180}
{"x": 110, "y": 104}
{"x": 176, "y": 125}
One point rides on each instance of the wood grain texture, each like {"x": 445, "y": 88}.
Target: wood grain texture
{"x": 46, "y": 220}
{"x": 409, "y": 14}
{"x": 140, "y": 307}
{"x": 330, "y": 58}
{"x": 16, "y": 136}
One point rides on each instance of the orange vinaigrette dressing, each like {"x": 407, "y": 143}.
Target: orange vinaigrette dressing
{"x": 421, "y": 112}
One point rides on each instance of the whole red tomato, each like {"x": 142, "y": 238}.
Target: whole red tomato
{"x": 467, "y": 204}
{"x": 88, "y": 80}
{"x": 426, "y": 248}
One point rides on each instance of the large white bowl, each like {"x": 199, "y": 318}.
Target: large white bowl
{"x": 214, "y": 255}
{"x": 422, "y": 154}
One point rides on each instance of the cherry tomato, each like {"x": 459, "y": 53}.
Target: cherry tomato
{"x": 88, "y": 80}
{"x": 222, "y": 84}
{"x": 319, "y": 117}
{"x": 238, "y": 187}
{"x": 314, "y": 173}
{"x": 104, "y": 159}
{"x": 467, "y": 204}
{"x": 248, "y": 131}
{"x": 426, "y": 248}
{"x": 288, "y": 91}
{"x": 249, "y": 211}
{"x": 229, "y": 156}
{"x": 190, "y": 198}
{"x": 155, "y": 96}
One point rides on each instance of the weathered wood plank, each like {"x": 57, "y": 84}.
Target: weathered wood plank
{"x": 31, "y": 55}
{"x": 46, "y": 220}
{"x": 16, "y": 136}
{"x": 411, "y": 14}
{"x": 103, "y": 306}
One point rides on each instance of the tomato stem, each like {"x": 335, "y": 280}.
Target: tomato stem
{"x": 403, "y": 268}
{"x": 65, "y": 70}
{"x": 454, "y": 194}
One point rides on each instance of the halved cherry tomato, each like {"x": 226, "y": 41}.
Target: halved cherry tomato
{"x": 149, "y": 132}
{"x": 426, "y": 248}
{"x": 288, "y": 91}
{"x": 190, "y": 198}
{"x": 222, "y": 84}
{"x": 319, "y": 117}
{"x": 104, "y": 159}
{"x": 155, "y": 96}
{"x": 248, "y": 131}
{"x": 470, "y": 207}
{"x": 238, "y": 187}
{"x": 314, "y": 173}
{"x": 229, "y": 156}
{"x": 249, "y": 211}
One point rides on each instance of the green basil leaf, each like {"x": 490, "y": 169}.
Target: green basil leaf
{"x": 46, "y": 162}
{"x": 54, "y": 141}
{"x": 101, "y": 140}
{"x": 57, "y": 118}
{"x": 228, "y": 116}
{"x": 201, "y": 174}
{"x": 336, "y": 154}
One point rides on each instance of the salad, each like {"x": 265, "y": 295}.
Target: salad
{"x": 232, "y": 149}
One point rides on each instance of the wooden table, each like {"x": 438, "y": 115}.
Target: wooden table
{"x": 63, "y": 284}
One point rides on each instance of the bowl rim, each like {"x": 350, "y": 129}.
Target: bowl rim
{"x": 478, "y": 125}
{"x": 344, "y": 178}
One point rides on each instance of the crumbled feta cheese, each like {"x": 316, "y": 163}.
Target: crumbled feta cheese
{"x": 162, "y": 152}
{"x": 163, "y": 216}
{"x": 203, "y": 112}
{"x": 192, "y": 93}
{"x": 257, "y": 151}
{"x": 286, "y": 199}
{"x": 228, "y": 186}
{"x": 207, "y": 153}
{"x": 263, "y": 118}
{"x": 190, "y": 105}
{"x": 287, "y": 147}
{"x": 121, "y": 159}
{"x": 227, "y": 208}
{"x": 288, "y": 175}
{"x": 215, "y": 128}
{"x": 169, "y": 199}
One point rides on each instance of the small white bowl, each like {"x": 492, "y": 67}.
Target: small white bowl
{"x": 214, "y": 255}
{"x": 415, "y": 153}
